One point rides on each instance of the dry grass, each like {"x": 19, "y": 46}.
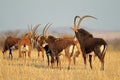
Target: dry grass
{"x": 32, "y": 70}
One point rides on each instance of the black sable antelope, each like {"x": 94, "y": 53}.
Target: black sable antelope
{"x": 57, "y": 45}
{"x": 89, "y": 43}
{"x": 9, "y": 43}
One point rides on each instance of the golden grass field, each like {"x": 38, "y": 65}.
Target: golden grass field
{"x": 38, "y": 70}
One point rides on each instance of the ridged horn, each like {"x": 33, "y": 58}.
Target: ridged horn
{"x": 35, "y": 28}
{"x": 81, "y": 19}
{"x": 47, "y": 28}
{"x": 44, "y": 29}
{"x": 75, "y": 28}
{"x": 75, "y": 21}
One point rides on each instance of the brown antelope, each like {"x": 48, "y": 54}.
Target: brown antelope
{"x": 9, "y": 43}
{"x": 25, "y": 44}
{"x": 57, "y": 45}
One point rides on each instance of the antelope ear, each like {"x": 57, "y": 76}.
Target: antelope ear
{"x": 74, "y": 29}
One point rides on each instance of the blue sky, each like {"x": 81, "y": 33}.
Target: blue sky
{"x": 18, "y": 14}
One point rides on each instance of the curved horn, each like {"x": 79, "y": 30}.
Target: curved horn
{"x": 75, "y": 20}
{"x": 44, "y": 29}
{"x": 75, "y": 28}
{"x": 35, "y": 28}
{"x": 84, "y": 18}
{"x": 47, "y": 28}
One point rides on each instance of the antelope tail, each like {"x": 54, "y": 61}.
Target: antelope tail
{"x": 104, "y": 51}
{"x": 72, "y": 51}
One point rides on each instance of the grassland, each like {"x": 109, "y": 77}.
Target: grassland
{"x": 38, "y": 70}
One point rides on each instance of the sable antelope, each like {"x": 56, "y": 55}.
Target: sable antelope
{"x": 9, "y": 43}
{"x": 25, "y": 44}
{"x": 89, "y": 43}
{"x": 57, "y": 45}
{"x": 42, "y": 46}
{"x": 76, "y": 52}
{"x": 68, "y": 50}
